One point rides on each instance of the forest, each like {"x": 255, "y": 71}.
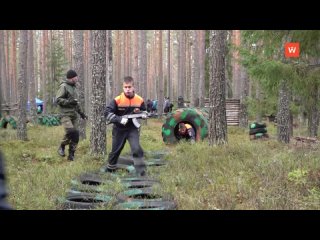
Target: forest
{"x": 256, "y": 146}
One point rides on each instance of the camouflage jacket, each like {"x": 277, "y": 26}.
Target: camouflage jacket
{"x": 67, "y": 92}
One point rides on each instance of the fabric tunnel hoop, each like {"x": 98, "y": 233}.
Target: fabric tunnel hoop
{"x": 196, "y": 117}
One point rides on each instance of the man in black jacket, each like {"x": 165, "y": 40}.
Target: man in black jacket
{"x": 123, "y": 128}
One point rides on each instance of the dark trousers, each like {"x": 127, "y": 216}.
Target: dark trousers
{"x": 71, "y": 137}
{"x": 119, "y": 137}
{"x": 3, "y": 191}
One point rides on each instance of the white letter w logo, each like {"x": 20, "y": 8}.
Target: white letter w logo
{"x": 292, "y": 49}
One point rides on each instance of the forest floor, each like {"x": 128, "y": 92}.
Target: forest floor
{"x": 244, "y": 174}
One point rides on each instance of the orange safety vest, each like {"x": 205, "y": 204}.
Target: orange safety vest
{"x": 123, "y": 102}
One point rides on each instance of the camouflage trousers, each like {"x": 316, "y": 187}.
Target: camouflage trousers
{"x": 71, "y": 137}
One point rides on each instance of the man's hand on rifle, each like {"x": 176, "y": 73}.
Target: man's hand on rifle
{"x": 83, "y": 116}
{"x": 124, "y": 120}
{"x": 73, "y": 101}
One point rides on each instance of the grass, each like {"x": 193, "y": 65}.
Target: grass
{"x": 241, "y": 175}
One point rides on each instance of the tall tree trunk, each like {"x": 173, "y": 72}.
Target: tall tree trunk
{"x": 126, "y": 52}
{"x": 235, "y": 65}
{"x": 3, "y": 80}
{"x": 45, "y": 72}
{"x": 243, "y": 114}
{"x": 79, "y": 68}
{"x": 87, "y": 72}
{"x": 154, "y": 66}
{"x": 160, "y": 75}
{"x": 144, "y": 64}
{"x": 22, "y": 89}
{"x": 313, "y": 113}
{"x": 217, "y": 111}
{"x": 110, "y": 67}
{"x": 13, "y": 78}
{"x": 195, "y": 71}
{"x": 202, "y": 60}
{"x": 30, "y": 74}
{"x": 258, "y": 100}
{"x": 98, "y": 132}
{"x": 5, "y": 74}
{"x": 169, "y": 82}
{"x": 283, "y": 116}
{"x": 182, "y": 64}
{"x": 188, "y": 67}
{"x": 119, "y": 64}
{"x": 135, "y": 72}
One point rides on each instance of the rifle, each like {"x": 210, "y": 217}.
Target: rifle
{"x": 134, "y": 117}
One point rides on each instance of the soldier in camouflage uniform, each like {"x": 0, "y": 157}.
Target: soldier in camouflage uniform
{"x": 67, "y": 99}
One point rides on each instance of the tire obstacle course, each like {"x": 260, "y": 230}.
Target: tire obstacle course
{"x": 97, "y": 189}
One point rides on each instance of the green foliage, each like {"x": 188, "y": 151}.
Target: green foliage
{"x": 263, "y": 55}
{"x": 298, "y": 176}
{"x": 57, "y": 61}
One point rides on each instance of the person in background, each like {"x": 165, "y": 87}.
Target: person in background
{"x": 187, "y": 132}
{"x": 67, "y": 99}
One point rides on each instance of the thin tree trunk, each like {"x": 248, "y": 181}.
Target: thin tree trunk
{"x": 217, "y": 111}
{"x": 98, "y": 133}
{"x": 144, "y": 64}
{"x": 119, "y": 63}
{"x": 202, "y": 58}
{"x": 13, "y": 95}
{"x": 195, "y": 71}
{"x": 22, "y": 113}
{"x": 79, "y": 68}
{"x": 283, "y": 116}
{"x": 30, "y": 73}
{"x": 3, "y": 80}
{"x": 243, "y": 114}
{"x": 258, "y": 100}
{"x": 181, "y": 64}
{"x": 169, "y": 82}
{"x": 110, "y": 82}
{"x": 313, "y": 115}
{"x": 235, "y": 65}
{"x": 160, "y": 75}
{"x": 5, "y": 74}
{"x": 135, "y": 72}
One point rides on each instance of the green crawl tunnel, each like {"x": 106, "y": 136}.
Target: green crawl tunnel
{"x": 196, "y": 117}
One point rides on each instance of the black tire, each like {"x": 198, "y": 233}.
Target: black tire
{"x": 96, "y": 179}
{"x": 197, "y": 118}
{"x": 257, "y": 130}
{"x": 155, "y": 162}
{"x": 139, "y": 184}
{"x": 156, "y": 154}
{"x": 141, "y": 193}
{"x": 82, "y": 200}
{"x": 257, "y": 125}
{"x": 147, "y": 205}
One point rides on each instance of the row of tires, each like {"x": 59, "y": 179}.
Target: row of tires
{"x": 92, "y": 190}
